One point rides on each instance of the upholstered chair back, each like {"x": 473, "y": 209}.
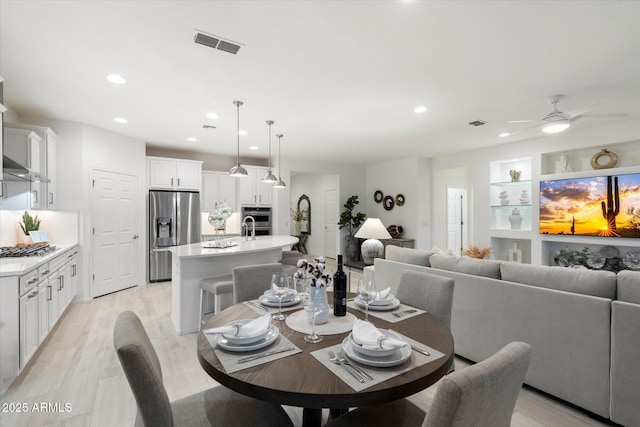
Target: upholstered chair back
{"x": 251, "y": 281}
{"x": 429, "y": 292}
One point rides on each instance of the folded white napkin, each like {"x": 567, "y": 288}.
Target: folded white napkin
{"x": 253, "y": 328}
{"x": 369, "y": 337}
{"x": 382, "y": 295}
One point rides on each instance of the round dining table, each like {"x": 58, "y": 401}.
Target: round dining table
{"x": 301, "y": 380}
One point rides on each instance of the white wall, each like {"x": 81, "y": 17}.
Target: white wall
{"x": 80, "y": 148}
{"x": 411, "y": 178}
{"x": 476, "y": 163}
{"x": 313, "y": 185}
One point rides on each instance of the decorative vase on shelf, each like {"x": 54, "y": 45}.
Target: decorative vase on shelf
{"x": 515, "y": 175}
{"x": 564, "y": 162}
{"x": 524, "y": 198}
{"x": 318, "y": 295}
{"x": 515, "y": 219}
{"x": 504, "y": 198}
{"x": 298, "y": 226}
{"x": 352, "y": 248}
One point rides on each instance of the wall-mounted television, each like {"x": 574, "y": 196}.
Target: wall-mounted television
{"x": 605, "y": 205}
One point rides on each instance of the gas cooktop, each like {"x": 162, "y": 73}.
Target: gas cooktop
{"x": 25, "y": 251}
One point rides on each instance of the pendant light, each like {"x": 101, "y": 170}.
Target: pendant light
{"x": 238, "y": 170}
{"x": 280, "y": 183}
{"x": 269, "y": 177}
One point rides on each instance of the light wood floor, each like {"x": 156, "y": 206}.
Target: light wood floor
{"x": 77, "y": 365}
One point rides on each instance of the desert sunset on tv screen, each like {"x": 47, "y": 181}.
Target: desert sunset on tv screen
{"x": 597, "y": 206}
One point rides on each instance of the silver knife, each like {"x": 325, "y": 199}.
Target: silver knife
{"x": 419, "y": 350}
{"x": 268, "y": 353}
{"x": 257, "y": 305}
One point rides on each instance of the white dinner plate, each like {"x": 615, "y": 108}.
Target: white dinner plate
{"x": 234, "y": 340}
{"x": 398, "y": 357}
{"x": 267, "y": 301}
{"x": 388, "y": 300}
{"x": 395, "y": 303}
{"x": 366, "y": 352}
{"x": 265, "y": 341}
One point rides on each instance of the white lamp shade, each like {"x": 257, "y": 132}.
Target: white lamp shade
{"x": 373, "y": 229}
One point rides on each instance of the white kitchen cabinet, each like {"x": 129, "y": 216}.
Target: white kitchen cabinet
{"x": 9, "y": 331}
{"x": 48, "y": 169}
{"x": 174, "y": 174}
{"x": 23, "y": 146}
{"x": 45, "y": 291}
{"x": 217, "y": 187}
{"x": 28, "y": 325}
{"x": 254, "y": 192}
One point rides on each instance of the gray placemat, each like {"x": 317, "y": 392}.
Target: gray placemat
{"x": 229, "y": 359}
{"x": 259, "y": 308}
{"x": 388, "y": 315}
{"x": 379, "y": 374}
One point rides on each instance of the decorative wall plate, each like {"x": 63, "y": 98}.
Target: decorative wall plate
{"x": 602, "y": 156}
{"x": 400, "y": 199}
{"x": 377, "y": 196}
{"x": 388, "y": 202}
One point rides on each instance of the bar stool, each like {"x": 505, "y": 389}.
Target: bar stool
{"x": 217, "y": 286}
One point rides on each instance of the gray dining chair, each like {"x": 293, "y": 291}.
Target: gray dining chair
{"x": 429, "y": 292}
{"x": 480, "y": 395}
{"x": 217, "y": 406}
{"x": 251, "y": 281}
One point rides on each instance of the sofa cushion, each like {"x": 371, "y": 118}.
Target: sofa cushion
{"x": 579, "y": 281}
{"x": 629, "y": 286}
{"x": 468, "y": 265}
{"x": 407, "y": 255}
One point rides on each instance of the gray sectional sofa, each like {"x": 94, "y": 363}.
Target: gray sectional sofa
{"x": 584, "y": 325}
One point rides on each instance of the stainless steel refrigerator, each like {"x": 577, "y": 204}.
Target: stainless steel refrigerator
{"x": 174, "y": 220}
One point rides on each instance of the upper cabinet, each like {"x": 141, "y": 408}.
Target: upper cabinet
{"x": 174, "y": 174}
{"x": 23, "y": 146}
{"x": 217, "y": 187}
{"x": 254, "y": 192}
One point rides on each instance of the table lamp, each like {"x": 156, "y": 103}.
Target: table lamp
{"x": 372, "y": 248}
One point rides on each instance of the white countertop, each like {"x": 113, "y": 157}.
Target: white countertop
{"x": 17, "y": 266}
{"x": 262, "y": 243}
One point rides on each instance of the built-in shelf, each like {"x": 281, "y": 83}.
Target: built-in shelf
{"x": 510, "y": 194}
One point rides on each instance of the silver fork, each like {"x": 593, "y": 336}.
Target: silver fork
{"x": 343, "y": 359}
{"x": 335, "y": 359}
{"x": 402, "y": 313}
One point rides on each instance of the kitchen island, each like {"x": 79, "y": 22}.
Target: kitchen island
{"x": 191, "y": 263}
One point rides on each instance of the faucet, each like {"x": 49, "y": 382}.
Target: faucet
{"x": 253, "y": 230}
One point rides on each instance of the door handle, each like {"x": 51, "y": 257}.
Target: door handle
{"x": 135, "y": 236}
{"x": 160, "y": 250}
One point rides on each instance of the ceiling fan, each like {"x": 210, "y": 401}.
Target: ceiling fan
{"x": 558, "y": 121}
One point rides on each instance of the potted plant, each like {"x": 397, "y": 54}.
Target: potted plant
{"x": 298, "y": 215}
{"x": 351, "y": 222}
{"x": 28, "y": 224}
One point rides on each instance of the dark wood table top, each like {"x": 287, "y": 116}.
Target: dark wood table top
{"x": 301, "y": 380}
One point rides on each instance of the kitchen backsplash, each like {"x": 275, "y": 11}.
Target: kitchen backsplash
{"x": 61, "y": 226}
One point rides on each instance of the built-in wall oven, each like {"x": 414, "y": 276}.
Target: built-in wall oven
{"x": 261, "y": 215}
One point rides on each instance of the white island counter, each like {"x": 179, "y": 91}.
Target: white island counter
{"x": 191, "y": 263}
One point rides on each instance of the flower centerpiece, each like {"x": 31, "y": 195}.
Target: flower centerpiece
{"x": 299, "y": 215}
{"x": 219, "y": 216}
{"x": 318, "y": 289}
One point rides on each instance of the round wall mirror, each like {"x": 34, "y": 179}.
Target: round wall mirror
{"x": 304, "y": 205}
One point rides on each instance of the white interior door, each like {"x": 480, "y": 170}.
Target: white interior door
{"x": 456, "y": 238}
{"x": 330, "y": 222}
{"x": 114, "y": 213}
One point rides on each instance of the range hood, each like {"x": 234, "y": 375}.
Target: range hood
{"x": 14, "y": 171}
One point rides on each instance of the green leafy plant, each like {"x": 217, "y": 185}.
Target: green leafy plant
{"x": 29, "y": 223}
{"x": 569, "y": 257}
{"x": 298, "y": 214}
{"x": 348, "y": 219}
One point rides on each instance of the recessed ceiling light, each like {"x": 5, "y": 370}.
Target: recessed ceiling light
{"x": 115, "y": 78}
{"x": 253, "y": 148}
{"x": 242, "y": 132}
{"x": 420, "y": 109}
{"x": 191, "y": 139}
{"x": 212, "y": 116}
{"x": 120, "y": 120}
{"x": 503, "y": 134}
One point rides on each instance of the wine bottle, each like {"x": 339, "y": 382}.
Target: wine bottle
{"x": 340, "y": 290}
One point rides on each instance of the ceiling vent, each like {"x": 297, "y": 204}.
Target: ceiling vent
{"x": 477, "y": 123}
{"x": 216, "y": 42}
{"x": 208, "y": 127}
